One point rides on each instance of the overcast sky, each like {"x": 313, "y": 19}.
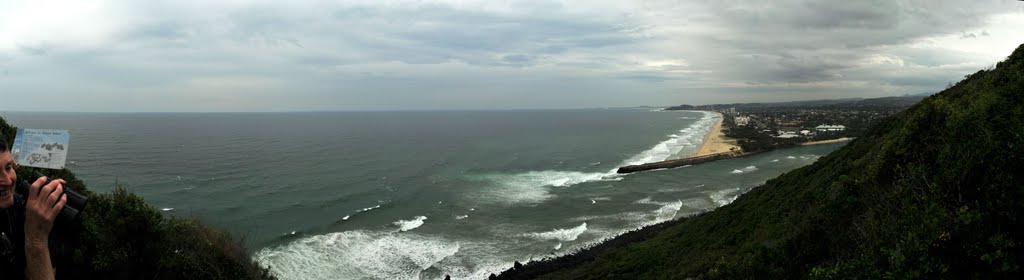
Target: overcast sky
{"x": 178, "y": 56}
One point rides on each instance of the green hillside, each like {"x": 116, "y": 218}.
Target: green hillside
{"x": 935, "y": 192}
{"x": 119, "y": 236}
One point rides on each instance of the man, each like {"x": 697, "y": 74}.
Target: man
{"x": 25, "y": 222}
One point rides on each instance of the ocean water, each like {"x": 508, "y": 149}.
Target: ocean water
{"x": 412, "y": 195}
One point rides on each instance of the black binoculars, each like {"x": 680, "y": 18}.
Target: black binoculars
{"x": 75, "y": 202}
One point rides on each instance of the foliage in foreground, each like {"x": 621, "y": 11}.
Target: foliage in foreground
{"x": 119, "y": 236}
{"x": 935, "y": 192}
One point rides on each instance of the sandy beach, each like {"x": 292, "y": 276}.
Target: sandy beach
{"x": 826, "y": 141}
{"x": 716, "y": 142}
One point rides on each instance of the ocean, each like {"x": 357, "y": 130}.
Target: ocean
{"x": 411, "y": 195}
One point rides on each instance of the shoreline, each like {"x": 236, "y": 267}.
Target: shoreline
{"x": 715, "y": 141}
{"x": 715, "y": 147}
{"x": 830, "y": 141}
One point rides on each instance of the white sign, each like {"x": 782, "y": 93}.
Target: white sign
{"x": 44, "y": 148}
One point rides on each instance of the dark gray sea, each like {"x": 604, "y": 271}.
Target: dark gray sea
{"x": 411, "y": 195}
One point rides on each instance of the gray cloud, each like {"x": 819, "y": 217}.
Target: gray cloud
{"x": 171, "y": 56}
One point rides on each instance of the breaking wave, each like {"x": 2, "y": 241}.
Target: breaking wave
{"x": 407, "y": 225}
{"x": 667, "y": 211}
{"x": 356, "y": 255}
{"x": 745, "y": 169}
{"x": 533, "y": 187}
{"x": 725, "y": 196}
{"x": 566, "y": 234}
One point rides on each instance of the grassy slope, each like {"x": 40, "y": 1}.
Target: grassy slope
{"x": 119, "y": 236}
{"x": 936, "y": 191}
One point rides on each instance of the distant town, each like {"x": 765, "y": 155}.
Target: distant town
{"x": 761, "y": 126}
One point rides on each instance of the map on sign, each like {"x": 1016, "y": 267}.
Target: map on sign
{"x": 44, "y": 148}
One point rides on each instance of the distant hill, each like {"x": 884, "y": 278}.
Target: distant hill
{"x": 880, "y": 102}
{"x": 934, "y": 192}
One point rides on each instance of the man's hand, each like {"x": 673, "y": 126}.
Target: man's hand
{"x": 42, "y": 207}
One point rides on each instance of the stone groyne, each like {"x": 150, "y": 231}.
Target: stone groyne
{"x": 680, "y": 162}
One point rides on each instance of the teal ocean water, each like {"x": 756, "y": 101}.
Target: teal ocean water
{"x": 411, "y": 195}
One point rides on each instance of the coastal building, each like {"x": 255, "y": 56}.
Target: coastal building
{"x": 805, "y": 132}
{"x": 787, "y": 134}
{"x": 830, "y": 128}
{"x": 742, "y": 121}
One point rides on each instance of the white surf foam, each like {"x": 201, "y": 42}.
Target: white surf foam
{"x": 725, "y": 196}
{"x": 533, "y": 186}
{"x": 562, "y": 178}
{"x": 356, "y": 255}
{"x": 699, "y": 203}
{"x": 810, "y": 157}
{"x": 750, "y": 168}
{"x": 689, "y": 137}
{"x": 407, "y": 225}
{"x": 361, "y": 211}
{"x": 368, "y": 209}
{"x": 667, "y": 211}
{"x": 562, "y": 234}
{"x": 559, "y": 246}
{"x": 646, "y": 200}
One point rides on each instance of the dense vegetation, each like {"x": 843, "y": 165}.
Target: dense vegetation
{"x": 119, "y": 236}
{"x": 934, "y": 192}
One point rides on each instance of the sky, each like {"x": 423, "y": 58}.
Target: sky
{"x": 269, "y": 56}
